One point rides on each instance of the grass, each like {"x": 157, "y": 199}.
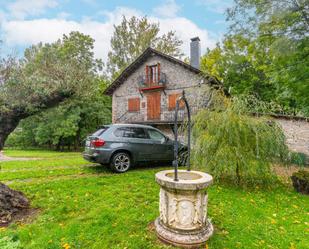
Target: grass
{"x": 38, "y": 153}
{"x": 86, "y": 206}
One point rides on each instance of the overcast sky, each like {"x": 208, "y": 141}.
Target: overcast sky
{"x": 26, "y": 22}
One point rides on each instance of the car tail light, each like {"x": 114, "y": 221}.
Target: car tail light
{"x": 98, "y": 142}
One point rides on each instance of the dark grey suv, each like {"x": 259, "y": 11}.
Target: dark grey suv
{"x": 122, "y": 145}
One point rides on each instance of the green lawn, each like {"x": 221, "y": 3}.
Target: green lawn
{"x": 83, "y": 205}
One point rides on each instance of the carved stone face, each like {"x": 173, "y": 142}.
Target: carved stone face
{"x": 185, "y": 212}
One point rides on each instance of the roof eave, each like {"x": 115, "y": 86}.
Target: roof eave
{"x": 128, "y": 70}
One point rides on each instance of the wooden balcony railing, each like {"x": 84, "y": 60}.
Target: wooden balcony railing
{"x": 165, "y": 117}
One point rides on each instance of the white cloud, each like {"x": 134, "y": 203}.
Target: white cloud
{"x": 215, "y": 5}
{"x": 168, "y": 9}
{"x": 27, "y": 32}
{"x": 23, "y": 8}
{"x": 63, "y": 15}
{"x": 185, "y": 30}
{"x": 115, "y": 16}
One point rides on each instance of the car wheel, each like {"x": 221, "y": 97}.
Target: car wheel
{"x": 121, "y": 162}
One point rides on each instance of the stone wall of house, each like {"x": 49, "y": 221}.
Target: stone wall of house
{"x": 178, "y": 79}
{"x": 297, "y": 134}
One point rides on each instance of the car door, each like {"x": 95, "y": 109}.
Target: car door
{"x": 137, "y": 142}
{"x": 162, "y": 146}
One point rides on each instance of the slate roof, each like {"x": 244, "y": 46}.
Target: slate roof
{"x": 142, "y": 58}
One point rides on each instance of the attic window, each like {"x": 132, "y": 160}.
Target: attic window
{"x": 153, "y": 74}
{"x": 133, "y": 105}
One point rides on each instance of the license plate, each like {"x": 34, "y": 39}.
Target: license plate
{"x": 88, "y": 143}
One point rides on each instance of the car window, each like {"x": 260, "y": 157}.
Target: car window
{"x": 99, "y": 132}
{"x": 119, "y": 132}
{"x": 139, "y": 133}
{"x": 155, "y": 135}
{"x": 132, "y": 132}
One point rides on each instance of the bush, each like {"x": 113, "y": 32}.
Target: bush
{"x": 237, "y": 147}
{"x": 300, "y": 181}
{"x": 298, "y": 158}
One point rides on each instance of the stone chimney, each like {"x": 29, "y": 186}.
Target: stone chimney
{"x": 195, "y": 52}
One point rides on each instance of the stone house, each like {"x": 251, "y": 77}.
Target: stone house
{"x": 147, "y": 90}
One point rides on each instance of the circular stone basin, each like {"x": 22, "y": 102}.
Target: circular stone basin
{"x": 183, "y": 220}
{"x": 187, "y": 180}
{"x": 185, "y": 175}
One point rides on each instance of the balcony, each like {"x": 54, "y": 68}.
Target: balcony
{"x": 152, "y": 81}
{"x": 166, "y": 117}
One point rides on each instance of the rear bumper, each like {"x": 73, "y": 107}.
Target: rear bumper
{"x": 97, "y": 156}
{"x": 90, "y": 158}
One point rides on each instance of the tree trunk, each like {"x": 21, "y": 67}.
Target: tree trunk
{"x": 58, "y": 146}
{"x": 8, "y": 123}
{"x": 237, "y": 175}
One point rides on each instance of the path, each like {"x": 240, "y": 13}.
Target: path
{"x": 4, "y": 158}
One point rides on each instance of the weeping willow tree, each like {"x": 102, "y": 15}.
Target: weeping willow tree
{"x": 235, "y": 146}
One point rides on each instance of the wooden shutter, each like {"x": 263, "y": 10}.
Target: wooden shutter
{"x": 133, "y": 105}
{"x": 158, "y": 72}
{"x": 172, "y": 98}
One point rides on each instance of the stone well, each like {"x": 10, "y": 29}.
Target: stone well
{"x": 183, "y": 208}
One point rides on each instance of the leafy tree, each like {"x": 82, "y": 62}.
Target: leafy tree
{"x": 270, "y": 18}
{"x": 265, "y": 53}
{"x": 240, "y": 64}
{"x": 47, "y": 75}
{"x": 24, "y": 134}
{"x": 65, "y": 125}
{"x": 132, "y": 37}
{"x": 236, "y": 147}
{"x": 281, "y": 27}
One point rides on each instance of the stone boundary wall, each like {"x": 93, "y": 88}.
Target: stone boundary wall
{"x": 296, "y": 132}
